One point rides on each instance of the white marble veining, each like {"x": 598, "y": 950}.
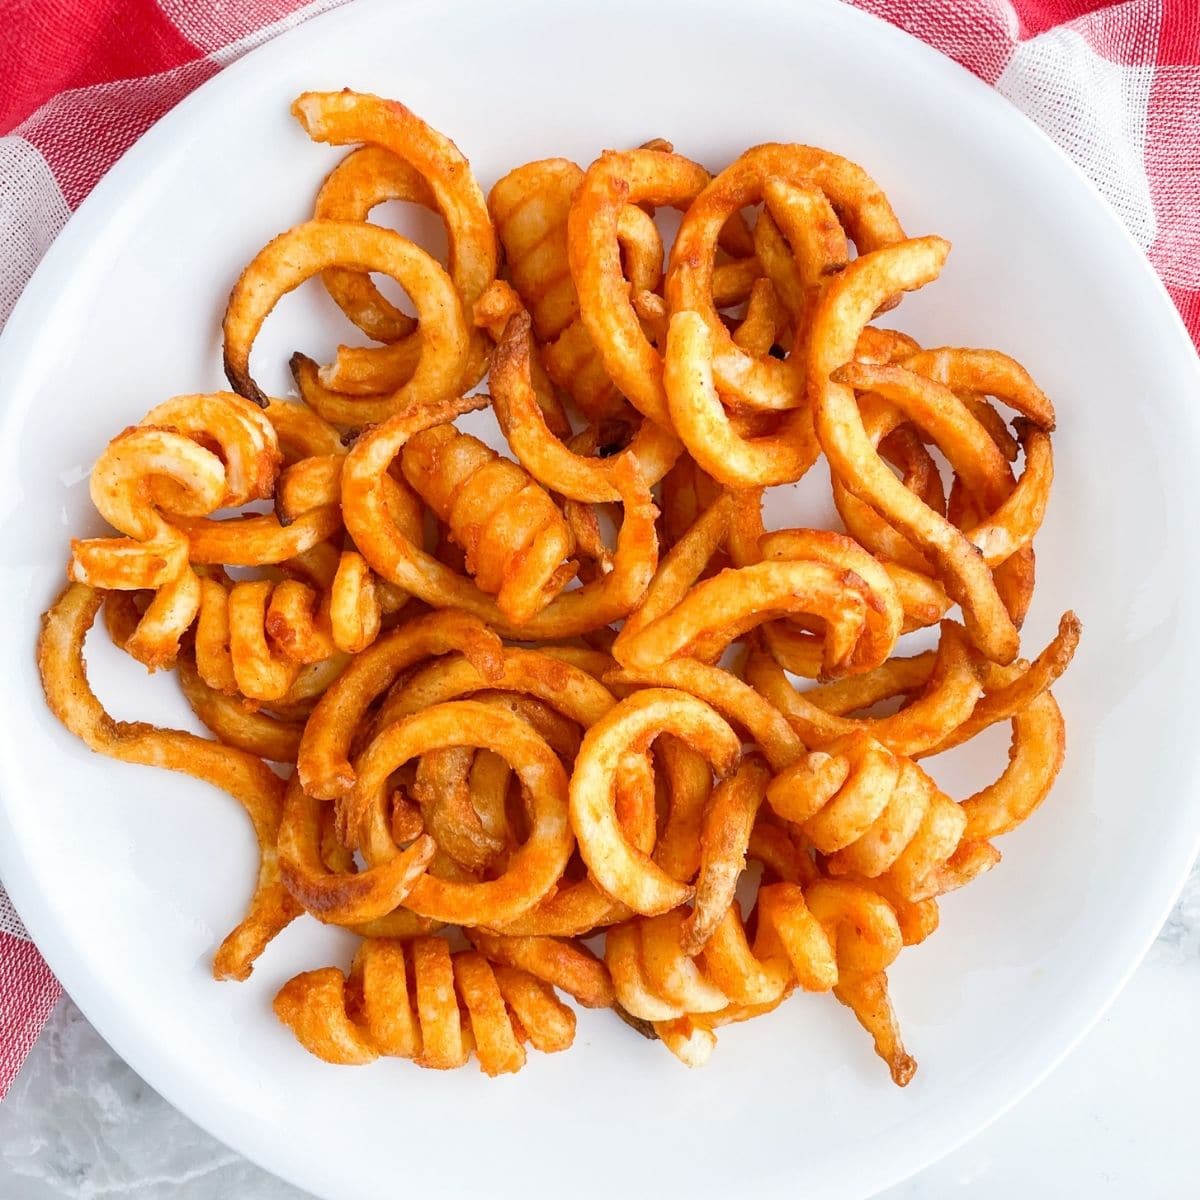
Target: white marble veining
{"x": 78, "y": 1122}
{"x": 1179, "y": 941}
{"x": 80, "y": 1125}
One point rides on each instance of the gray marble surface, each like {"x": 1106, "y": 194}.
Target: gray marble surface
{"x": 79, "y": 1124}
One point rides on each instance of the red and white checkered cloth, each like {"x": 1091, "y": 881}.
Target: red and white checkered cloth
{"x": 1117, "y": 85}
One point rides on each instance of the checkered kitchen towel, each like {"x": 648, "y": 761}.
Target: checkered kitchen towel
{"x": 1117, "y": 85}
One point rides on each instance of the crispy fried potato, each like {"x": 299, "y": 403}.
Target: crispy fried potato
{"x": 372, "y": 1012}
{"x": 514, "y": 536}
{"x": 620, "y": 869}
{"x": 312, "y": 248}
{"x": 532, "y": 870}
{"x": 848, "y": 303}
{"x": 246, "y": 778}
{"x": 601, "y": 776}
{"x": 580, "y": 477}
{"x": 613, "y": 181}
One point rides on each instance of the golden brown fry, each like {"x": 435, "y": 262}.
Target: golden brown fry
{"x": 653, "y": 448}
{"x": 530, "y": 206}
{"x": 343, "y": 896}
{"x": 863, "y": 928}
{"x": 246, "y": 778}
{"x": 611, "y": 182}
{"x": 803, "y": 177}
{"x": 719, "y": 610}
{"x": 723, "y": 843}
{"x": 532, "y": 870}
{"x": 567, "y": 965}
{"x": 354, "y": 1019}
{"x": 624, "y": 872}
{"x": 352, "y": 118}
{"x": 848, "y": 303}
{"x": 950, "y": 692}
{"x": 443, "y": 777}
{"x": 686, "y": 998}
{"x": 1010, "y": 691}
{"x": 873, "y": 814}
{"x": 323, "y": 764}
{"x": 736, "y": 701}
{"x": 236, "y": 723}
{"x": 679, "y": 570}
{"x": 190, "y": 456}
{"x": 363, "y": 179}
{"x": 705, "y": 427}
{"x": 514, "y": 536}
{"x": 393, "y": 554}
{"x": 311, "y": 248}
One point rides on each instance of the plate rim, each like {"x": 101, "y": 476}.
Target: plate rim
{"x": 29, "y": 900}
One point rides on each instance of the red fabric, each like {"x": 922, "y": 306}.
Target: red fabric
{"x": 81, "y": 140}
{"x": 976, "y": 33}
{"x": 53, "y": 48}
{"x": 1037, "y": 16}
{"x": 27, "y": 994}
{"x": 81, "y": 80}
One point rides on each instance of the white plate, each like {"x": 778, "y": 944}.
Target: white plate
{"x": 127, "y": 877}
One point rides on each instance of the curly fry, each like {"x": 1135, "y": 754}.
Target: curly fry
{"x": 308, "y": 249}
{"x": 246, "y": 778}
{"x": 624, "y": 872}
{"x": 845, "y": 308}
{"x": 501, "y": 1007}
{"x": 613, "y": 181}
{"x": 514, "y": 536}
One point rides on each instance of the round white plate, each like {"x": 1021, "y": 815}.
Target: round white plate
{"x": 128, "y": 877}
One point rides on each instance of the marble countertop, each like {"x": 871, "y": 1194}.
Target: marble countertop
{"x": 1118, "y": 1118}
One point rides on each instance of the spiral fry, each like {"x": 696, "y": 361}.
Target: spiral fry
{"x": 718, "y": 610}
{"x": 999, "y": 515}
{"x": 580, "y": 905}
{"x": 567, "y": 964}
{"x": 620, "y": 868}
{"x": 189, "y": 457}
{"x": 352, "y": 118}
{"x": 530, "y": 206}
{"x": 363, "y": 179}
{"x": 532, "y": 870}
{"x": 246, "y": 778}
{"x": 310, "y": 249}
{"x": 236, "y": 720}
{"x": 946, "y": 687}
{"x": 802, "y": 187}
{"x": 576, "y": 905}
{"x": 902, "y": 599}
{"x": 864, "y": 929}
{"x": 825, "y": 934}
{"x": 875, "y": 813}
{"x": 254, "y": 637}
{"x": 513, "y": 533}
{"x": 614, "y": 181}
{"x": 560, "y": 467}
{"x": 372, "y": 1012}
{"x": 685, "y": 998}
{"x": 398, "y": 559}
{"x": 507, "y": 733}
{"x": 846, "y": 305}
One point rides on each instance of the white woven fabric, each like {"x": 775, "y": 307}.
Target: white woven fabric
{"x": 1177, "y": 157}
{"x": 32, "y": 211}
{"x": 226, "y": 32}
{"x": 9, "y": 921}
{"x": 1096, "y": 110}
